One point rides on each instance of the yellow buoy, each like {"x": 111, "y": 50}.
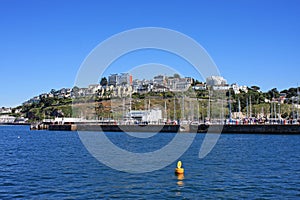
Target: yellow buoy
{"x": 179, "y": 170}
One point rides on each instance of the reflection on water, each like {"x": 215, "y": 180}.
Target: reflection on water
{"x": 180, "y": 178}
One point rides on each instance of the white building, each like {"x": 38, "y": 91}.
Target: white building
{"x": 236, "y": 88}
{"x": 220, "y": 87}
{"x": 215, "y": 80}
{"x": 200, "y": 86}
{"x": 159, "y": 80}
{"x": 183, "y": 84}
{"x": 83, "y": 91}
{"x": 152, "y": 116}
{"x": 7, "y": 119}
{"x": 179, "y": 84}
{"x": 121, "y": 91}
{"x": 113, "y": 79}
{"x": 94, "y": 88}
{"x": 5, "y": 110}
{"x": 123, "y": 79}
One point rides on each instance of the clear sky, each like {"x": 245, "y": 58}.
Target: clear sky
{"x": 43, "y": 43}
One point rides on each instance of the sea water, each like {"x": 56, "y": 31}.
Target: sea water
{"x": 56, "y": 165}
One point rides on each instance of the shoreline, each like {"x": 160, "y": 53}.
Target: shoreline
{"x": 15, "y": 124}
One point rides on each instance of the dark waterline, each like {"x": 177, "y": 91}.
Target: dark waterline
{"x": 55, "y": 165}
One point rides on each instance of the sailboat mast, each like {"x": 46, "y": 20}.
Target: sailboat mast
{"x": 275, "y": 110}
{"x": 293, "y": 108}
{"x": 191, "y": 115}
{"x": 297, "y": 102}
{"x": 129, "y": 101}
{"x": 247, "y": 103}
{"x": 174, "y": 109}
{"x": 208, "y": 109}
{"x": 166, "y": 114}
{"x": 183, "y": 117}
{"x": 222, "y": 112}
{"x": 239, "y": 102}
{"x": 123, "y": 107}
{"x": 250, "y": 107}
{"x": 229, "y": 103}
{"x": 198, "y": 110}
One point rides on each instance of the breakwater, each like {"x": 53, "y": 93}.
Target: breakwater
{"x": 202, "y": 128}
{"x": 250, "y": 129}
{"x": 113, "y": 128}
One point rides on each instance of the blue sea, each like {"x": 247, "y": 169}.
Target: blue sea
{"x": 56, "y": 165}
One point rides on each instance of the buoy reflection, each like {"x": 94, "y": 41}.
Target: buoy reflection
{"x": 180, "y": 178}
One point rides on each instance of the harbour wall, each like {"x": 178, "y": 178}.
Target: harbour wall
{"x": 114, "y": 128}
{"x": 261, "y": 128}
{"x": 247, "y": 129}
{"x": 61, "y": 127}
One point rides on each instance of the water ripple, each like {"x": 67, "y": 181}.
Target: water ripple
{"x": 55, "y": 165}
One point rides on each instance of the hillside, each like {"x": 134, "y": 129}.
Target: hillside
{"x": 254, "y": 103}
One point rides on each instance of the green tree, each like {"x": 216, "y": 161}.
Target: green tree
{"x": 255, "y": 88}
{"x": 103, "y": 81}
{"x": 273, "y": 93}
{"x": 75, "y": 91}
{"x": 176, "y": 75}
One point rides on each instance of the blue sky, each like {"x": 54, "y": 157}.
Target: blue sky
{"x": 43, "y": 43}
